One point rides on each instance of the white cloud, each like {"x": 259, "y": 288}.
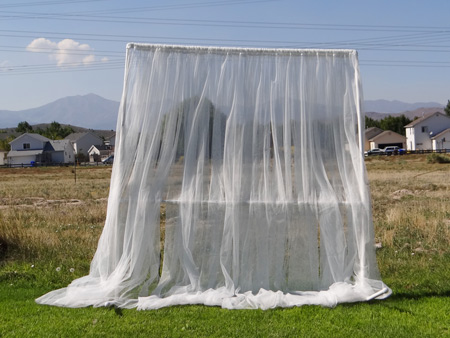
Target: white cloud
{"x": 41, "y": 45}
{"x": 66, "y": 53}
{"x": 105, "y": 59}
{"x": 89, "y": 59}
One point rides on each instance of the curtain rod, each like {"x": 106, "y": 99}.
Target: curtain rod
{"x": 238, "y": 50}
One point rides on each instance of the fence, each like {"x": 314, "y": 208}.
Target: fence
{"x": 34, "y": 165}
{"x": 438, "y": 151}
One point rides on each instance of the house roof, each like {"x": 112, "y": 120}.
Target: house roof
{"x": 76, "y": 136}
{"x": 16, "y": 153}
{"x": 106, "y": 152}
{"x": 56, "y": 145}
{"x": 33, "y": 135}
{"x": 104, "y": 147}
{"x": 442, "y": 133}
{"x": 372, "y": 132}
{"x": 423, "y": 118}
{"x": 385, "y": 133}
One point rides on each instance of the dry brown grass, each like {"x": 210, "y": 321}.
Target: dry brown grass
{"x": 45, "y": 215}
{"x": 411, "y": 203}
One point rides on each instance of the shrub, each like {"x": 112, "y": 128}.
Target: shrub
{"x": 438, "y": 158}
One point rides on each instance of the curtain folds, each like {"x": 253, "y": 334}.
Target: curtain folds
{"x": 255, "y": 157}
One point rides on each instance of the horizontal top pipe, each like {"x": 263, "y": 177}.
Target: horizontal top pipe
{"x": 240, "y": 50}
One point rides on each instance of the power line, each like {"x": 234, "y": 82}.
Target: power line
{"x": 417, "y": 39}
{"x": 422, "y": 38}
{"x": 119, "y": 64}
{"x": 407, "y": 61}
{"x": 27, "y": 15}
{"x": 128, "y": 38}
{"x": 45, "y": 3}
{"x": 175, "y": 7}
{"x": 363, "y": 64}
{"x": 68, "y": 51}
{"x": 70, "y": 64}
{"x": 225, "y": 23}
{"x": 70, "y": 68}
{"x": 376, "y": 43}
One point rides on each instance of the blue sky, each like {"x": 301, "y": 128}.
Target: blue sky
{"x": 51, "y": 48}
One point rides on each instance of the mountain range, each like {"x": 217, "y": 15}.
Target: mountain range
{"x": 89, "y": 111}
{"x": 396, "y": 107}
{"x": 95, "y": 112}
{"x": 379, "y": 109}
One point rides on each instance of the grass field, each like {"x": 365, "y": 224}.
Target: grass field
{"x": 49, "y": 227}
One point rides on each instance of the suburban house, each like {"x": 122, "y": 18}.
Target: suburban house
{"x": 429, "y": 129}
{"x": 30, "y": 148}
{"x": 378, "y": 138}
{"x": 82, "y": 142}
{"x": 441, "y": 140}
{"x": 111, "y": 141}
{"x": 3, "y": 157}
{"x": 59, "y": 151}
{"x": 26, "y": 149}
{"x": 370, "y": 133}
{"x": 387, "y": 138}
{"x": 100, "y": 153}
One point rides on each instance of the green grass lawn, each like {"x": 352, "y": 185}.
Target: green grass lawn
{"x": 419, "y": 307}
{"x": 400, "y": 316}
{"x": 45, "y": 245}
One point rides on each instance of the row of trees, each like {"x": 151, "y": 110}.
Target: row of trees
{"x": 55, "y": 131}
{"x": 396, "y": 124}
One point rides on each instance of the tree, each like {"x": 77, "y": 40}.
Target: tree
{"x": 447, "y": 108}
{"x": 4, "y": 143}
{"x": 396, "y": 124}
{"x": 55, "y": 131}
{"x": 24, "y": 127}
{"x": 370, "y": 122}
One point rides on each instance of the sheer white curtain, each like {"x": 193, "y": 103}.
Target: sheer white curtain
{"x": 255, "y": 155}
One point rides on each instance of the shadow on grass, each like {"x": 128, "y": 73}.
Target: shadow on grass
{"x": 400, "y": 297}
{"x": 407, "y": 295}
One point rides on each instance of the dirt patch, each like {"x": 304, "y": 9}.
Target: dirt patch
{"x": 398, "y": 194}
{"x": 35, "y": 202}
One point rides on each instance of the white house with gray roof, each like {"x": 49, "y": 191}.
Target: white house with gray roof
{"x": 59, "y": 151}
{"x": 26, "y": 149}
{"x": 29, "y": 149}
{"x": 421, "y": 132}
{"x": 441, "y": 141}
{"x": 82, "y": 142}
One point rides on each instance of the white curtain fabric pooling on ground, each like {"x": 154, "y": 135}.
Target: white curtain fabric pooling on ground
{"x": 255, "y": 155}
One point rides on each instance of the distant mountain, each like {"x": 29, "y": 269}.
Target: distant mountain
{"x": 95, "y": 112}
{"x": 396, "y": 107}
{"x": 422, "y": 111}
{"x": 409, "y": 114}
{"x": 90, "y": 111}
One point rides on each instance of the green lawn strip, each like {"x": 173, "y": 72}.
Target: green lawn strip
{"x": 419, "y": 307}
{"x": 415, "y": 275}
{"x": 399, "y": 316}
